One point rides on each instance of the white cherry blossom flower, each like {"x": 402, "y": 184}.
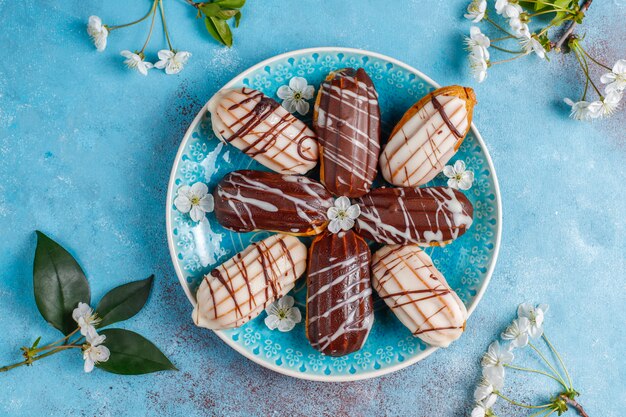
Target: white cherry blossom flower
{"x": 136, "y": 61}
{"x": 476, "y": 10}
{"x": 483, "y": 408}
{"x": 98, "y": 33}
{"x": 487, "y": 387}
{"x": 517, "y": 332}
{"x": 494, "y": 359}
{"x": 459, "y": 177}
{"x": 535, "y": 315}
{"x": 194, "y": 200}
{"x": 342, "y": 215}
{"x": 610, "y": 103}
{"x": 173, "y": 62}
{"x": 584, "y": 110}
{"x": 95, "y": 352}
{"x": 282, "y": 314}
{"x": 530, "y": 44}
{"x": 508, "y": 9}
{"x": 478, "y": 65}
{"x": 295, "y": 94}
{"x": 616, "y": 79}
{"x": 519, "y": 28}
{"x": 86, "y": 318}
{"x": 478, "y": 41}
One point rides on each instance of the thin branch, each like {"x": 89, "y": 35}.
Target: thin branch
{"x": 570, "y": 29}
{"x": 574, "y": 404}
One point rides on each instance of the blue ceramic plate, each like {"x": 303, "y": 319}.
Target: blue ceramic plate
{"x": 196, "y": 248}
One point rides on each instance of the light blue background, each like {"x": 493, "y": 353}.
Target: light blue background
{"x": 85, "y": 152}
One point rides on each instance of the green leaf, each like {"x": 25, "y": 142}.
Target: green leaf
{"x": 231, "y": 4}
{"x": 237, "y": 19}
{"x": 220, "y": 30}
{"x": 59, "y": 284}
{"x": 210, "y": 9}
{"x": 226, "y": 14}
{"x": 123, "y": 302}
{"x": 132, "y": 354}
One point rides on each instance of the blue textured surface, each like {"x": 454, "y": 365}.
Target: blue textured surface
{"x": 85, "y": 151}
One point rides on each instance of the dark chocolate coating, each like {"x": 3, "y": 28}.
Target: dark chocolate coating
{"x": 426, "y": 216}
{"x": 347, "y": 122}
{"x": 339, "y": 312}
{"x": 249, "y": 200}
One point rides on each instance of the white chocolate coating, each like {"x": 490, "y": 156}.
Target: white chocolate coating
{"x": 423, "y": 145}
{"x": 261, "y": 128}
{"x": 418, "y": 294}
{"x": 240, "y": 289}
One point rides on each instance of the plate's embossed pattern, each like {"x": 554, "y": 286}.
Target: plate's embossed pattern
{"x": 201, "y": 246}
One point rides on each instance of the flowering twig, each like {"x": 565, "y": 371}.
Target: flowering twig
{"x": 571, "y": 26}
{"x": 575, "y": 404}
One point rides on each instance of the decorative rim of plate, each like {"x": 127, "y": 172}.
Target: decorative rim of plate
{"x": 237, "y": 347}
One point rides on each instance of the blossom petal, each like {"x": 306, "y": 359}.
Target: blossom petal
{"x": 182, "y": 204}
{"x": 334, "y": 226}
{"x": 160, "y": 64}
{"x": 289, "y": 105}
{"x": 308, "y": 92}
{"x": 354, "y": 211}
{"x": 286, "y": 325}
{"x": 196, "y": 213}
{"x": 346, "y": 223}
{"x": 332, "y": 213}
{"x": 448, "y": 171}
{"x": 272, "y": 321}
{"x": 459, "y": 166}
{"x": 295, "y": 315}
{"x": 298, "y": 84}
{"x": 342, "y": 203}
{"x": 302, "y": 107}
{"x": 165, "y": 54}
{"x": 453, "y": 183}
{"x": 89, "y": 364}
{"x": 284, "y": 92}
{"x": 286, "y": 302}
{"x": 199, "y": 189}
{"x": 206, "y": 203}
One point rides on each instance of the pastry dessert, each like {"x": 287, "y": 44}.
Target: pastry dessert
{"x": 417, "y": 293}
{"x": 339, "y": 312}
{"x": 240, "y": 288}
{"x": 431, "y": 216}
{"x": 252, "y": 200}
{"x": 262, "y": 129}
{"x": 427, "y": 136}
{"x": 346, "y": 119}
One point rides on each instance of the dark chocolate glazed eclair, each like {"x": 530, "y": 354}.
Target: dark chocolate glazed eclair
{"x": 255, "y": 200}
{"x": 339, "y": 312}
{"x": 346, "y": 119}
{"x": 431, "y": 216}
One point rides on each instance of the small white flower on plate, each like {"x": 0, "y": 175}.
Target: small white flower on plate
{"x": 483, "y": 408}
{"x": 476, "y": 10}
{"x": 584, "y": 110}
{"x": 282, "y": 314}
{"x": 458, "y": 176}
{"x": 487, "y": 387}
{"x": 136, "y": 61}
{"x": 95, "y": 352}
{"x": 616, "y": 79}
{"x": 86, "y": 318}
{"x": 173, "y": 62}
{"x": 342, "y": 215}
{"x": 517, "y": 332}
{"x": 478, "y": 41}
{"x": 535, "y": 316}
{"x": 194, "y": 200}
{"x": 493, "y": 361}
{"x": 530, "y": 44}
{"x": 479, "y": 64}
{"x": 295, "y": 94}
{"x": 98, "y": 32}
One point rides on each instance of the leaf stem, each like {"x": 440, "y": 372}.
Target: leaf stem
{"x": 488, "y": 19}
{"x": 556, "y": 373}
{"x": 167, "y": 35}
{"x": 501, "y": 39}
{"x": 506, "y": 50}
{"x": 52, "y": 345}
{"x": 507, "y": 60}
{"x": 570, "y": 29}
{"x": 569, "y": 379}
{"x": 36, "y": 358}
{"x": 536, "y": 371}
{"x": 593, "y": 59}
{"x": 112, "y": 28}
{"x": 543, "y": 411}
{"x": 153, "y": 11}
{"x": 499, "y": 394}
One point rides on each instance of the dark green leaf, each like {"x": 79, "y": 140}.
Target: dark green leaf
{"x": 210, "y": 9}
{"x": 237, "y": 19}
{"x": 123, "y": 302}
{"x": 220, "y": 30}
{"x": 132, "y": 354}
{"x": 226, "y": 14}
{"x": 231, "y": 4}
{"x": 59, "y": 284}
{"x": 36, "y": 343}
